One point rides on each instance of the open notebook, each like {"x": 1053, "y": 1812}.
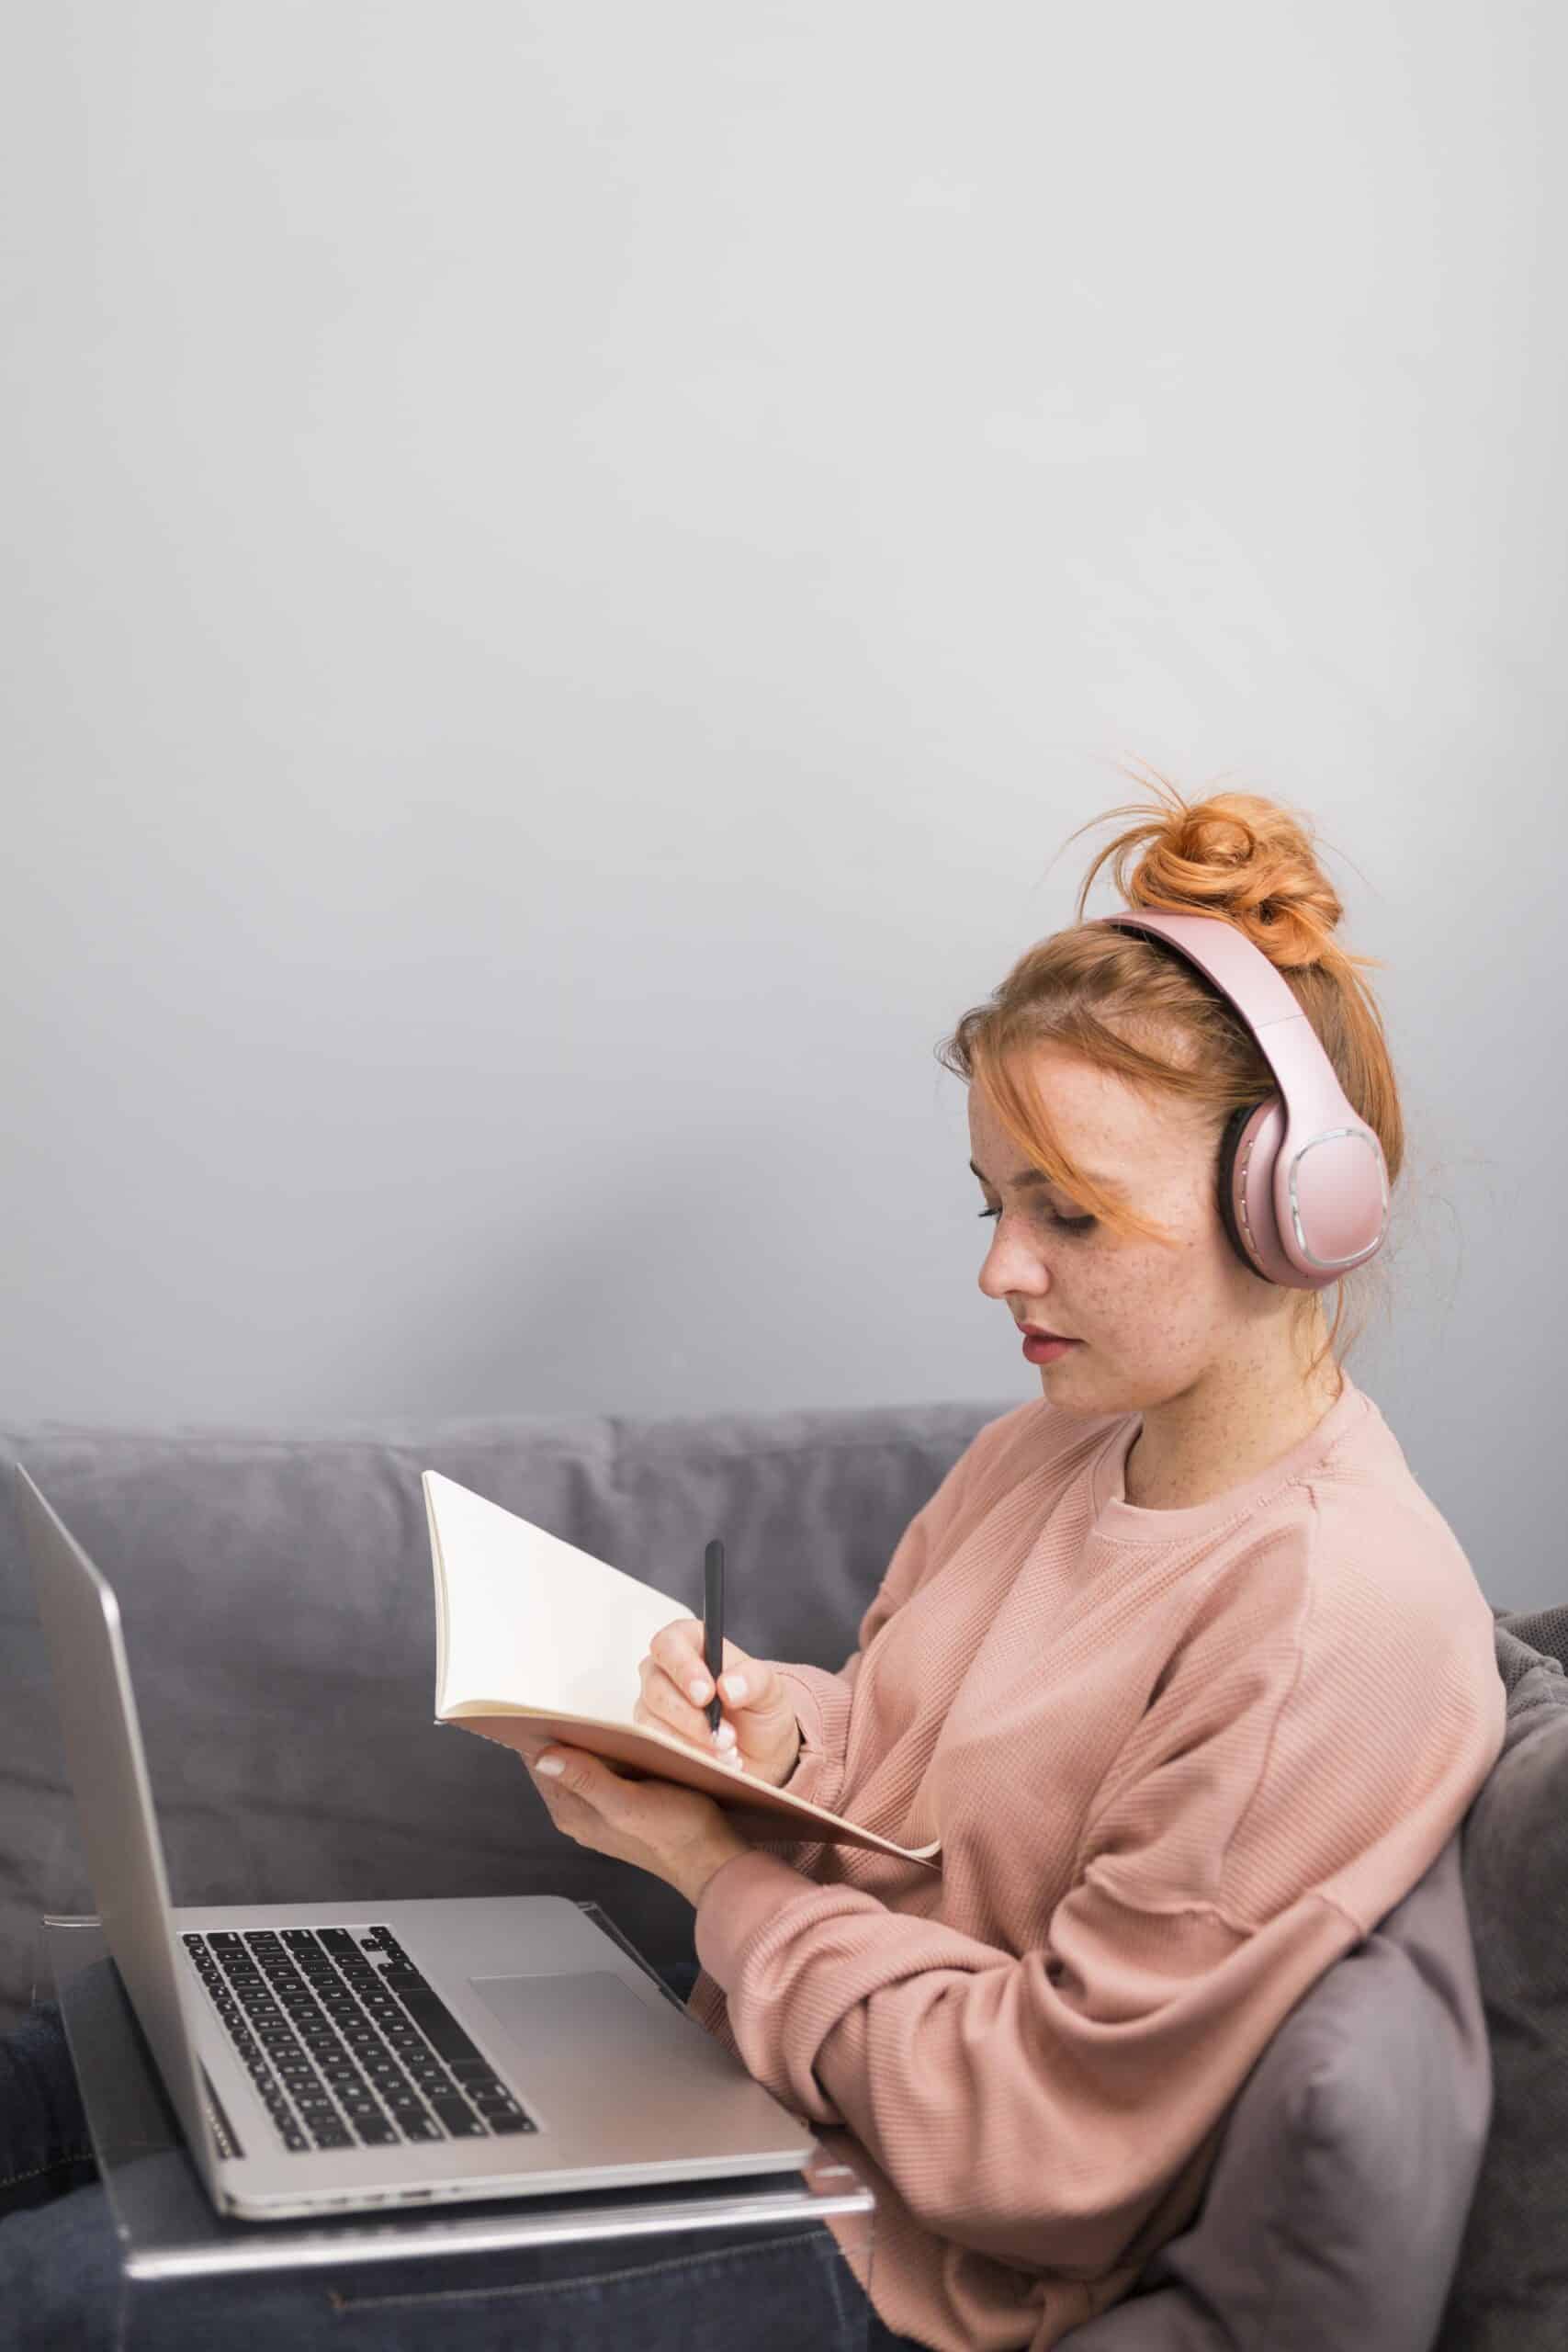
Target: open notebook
{"x": 536, "y": 1641}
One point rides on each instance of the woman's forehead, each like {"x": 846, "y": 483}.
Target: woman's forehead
{"x": 1110, "y": 1129}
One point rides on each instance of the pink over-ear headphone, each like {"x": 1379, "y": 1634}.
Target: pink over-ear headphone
{"x": 1303, "y": 1182}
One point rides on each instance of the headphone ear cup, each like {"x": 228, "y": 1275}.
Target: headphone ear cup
{"x": 1246, "y": 1183}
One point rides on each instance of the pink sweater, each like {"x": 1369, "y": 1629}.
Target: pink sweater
{"x": 1179, "y": 1761}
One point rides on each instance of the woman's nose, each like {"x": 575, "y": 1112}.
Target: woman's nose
{"x": 1009, "y": 1267}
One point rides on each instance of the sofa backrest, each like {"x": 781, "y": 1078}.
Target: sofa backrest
{"x": 276, "y": 1598}
{"x": 1510, "y": 2288}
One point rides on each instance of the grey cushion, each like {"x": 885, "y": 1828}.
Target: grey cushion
{"x": 1333, "y": 2212}
{"x": 1510, "y": 2291}
{"x": 1354, "y": 2199}
{"x": 276, "y": 1591}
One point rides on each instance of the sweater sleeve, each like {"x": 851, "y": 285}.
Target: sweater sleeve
{"x": 821, "y": 1695}
{"x": 1035, "y": 2107}
{"x": 1032, "y": 2108}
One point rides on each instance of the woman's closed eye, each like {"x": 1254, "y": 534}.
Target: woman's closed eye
{"x": 1062, "y": 1224}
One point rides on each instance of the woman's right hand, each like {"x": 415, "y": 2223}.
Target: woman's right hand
{"x": 763, "y": 1734}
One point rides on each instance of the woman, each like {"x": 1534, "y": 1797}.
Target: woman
{"x": 1187, "y": 1673}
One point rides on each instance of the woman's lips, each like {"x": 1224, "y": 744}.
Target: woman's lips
{"x": 1037, "y": 1349}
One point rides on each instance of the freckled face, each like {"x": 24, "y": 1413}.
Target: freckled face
{"x": 1153, "y": 1317}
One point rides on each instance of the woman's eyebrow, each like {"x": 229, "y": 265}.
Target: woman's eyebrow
{"x": 1031, "y": 1179}
{"x": 1026, "y": 1180}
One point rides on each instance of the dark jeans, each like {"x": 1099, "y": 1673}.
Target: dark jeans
{"x": 788, "y": 2290}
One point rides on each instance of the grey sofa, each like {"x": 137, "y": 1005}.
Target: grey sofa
{"x": 1395, "y": 2171}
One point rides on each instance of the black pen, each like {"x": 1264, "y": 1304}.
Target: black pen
{"x": 713, "y": 1624}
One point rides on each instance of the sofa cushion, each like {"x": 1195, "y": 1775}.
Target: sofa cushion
{"x": 1353, "y": 2199}
{"x": 277, "y": 1597}
{"x": 1510, "y": 2289}
{"x": 1346, "y": 2165}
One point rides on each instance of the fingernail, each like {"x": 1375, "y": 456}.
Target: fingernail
{"x": 725, "y": 1736}
{"x": 734, "y": 1688}
{"x": 697, "y": 1689}
{"x": 550, "y": 1764}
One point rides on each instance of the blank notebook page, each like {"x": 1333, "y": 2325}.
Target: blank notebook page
{"x": 529, "y": 1620}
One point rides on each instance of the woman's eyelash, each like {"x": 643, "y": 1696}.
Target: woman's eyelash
{"x": 1064, "y": 1224}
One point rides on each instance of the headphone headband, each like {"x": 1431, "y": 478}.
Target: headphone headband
{"x": 1303, "y": 1184}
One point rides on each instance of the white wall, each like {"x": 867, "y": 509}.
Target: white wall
{"x": 570, "y": 568}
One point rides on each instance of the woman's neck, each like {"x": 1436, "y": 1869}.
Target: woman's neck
{"x": 1213, "y": 1438}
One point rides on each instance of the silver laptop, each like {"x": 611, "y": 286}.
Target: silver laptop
{"x": 331, "y": 2056}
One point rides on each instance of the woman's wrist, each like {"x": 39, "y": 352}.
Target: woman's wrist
{"x": 709, "y": 1862}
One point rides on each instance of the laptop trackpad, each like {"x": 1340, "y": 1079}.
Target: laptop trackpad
{"x": 582, "y": 2020}
{"x": 628, "y": 2078}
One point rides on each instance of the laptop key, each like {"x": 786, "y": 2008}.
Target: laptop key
{"x": 493, "y": 2103}
{"x": 418, "y": 2127}
{"x": 441, "y": 2029}
{"x": 375, "y": 2130}
{"x": 459, "y": 2118}
{"x": 516, "y": 2122}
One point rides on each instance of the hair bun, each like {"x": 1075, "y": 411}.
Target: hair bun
{"x": 1234, "y": 855}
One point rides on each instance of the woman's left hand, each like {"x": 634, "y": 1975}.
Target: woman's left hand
{"x": 676, "y": 1835}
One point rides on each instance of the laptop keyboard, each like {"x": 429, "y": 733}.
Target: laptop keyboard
{"x": 346, "y": 2043}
